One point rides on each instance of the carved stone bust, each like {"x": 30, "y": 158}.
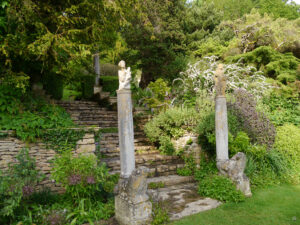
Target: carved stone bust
{"x": 220, "y": 81}
{"x": 124, "y": 76}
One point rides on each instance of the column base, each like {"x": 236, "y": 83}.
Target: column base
{"x": 129, "y": 213}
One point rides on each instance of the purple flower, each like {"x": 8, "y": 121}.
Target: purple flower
{"x": 74, "y": 179}
{"x": 90, "y": 180}
{"x": 27, "y": 190}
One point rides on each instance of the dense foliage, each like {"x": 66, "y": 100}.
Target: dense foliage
{"x": 17, "y": 185}
{"x": 170, "y": 124}
{"x": 175, "y": 46}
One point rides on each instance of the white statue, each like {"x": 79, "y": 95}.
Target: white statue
{"x": 124, "y": 76}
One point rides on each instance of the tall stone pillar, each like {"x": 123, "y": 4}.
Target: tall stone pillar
{"x": 221, "y": 116}
{"x": 132, "y": 205}
{"x": 97, "y": 69}
{"x": 234, "y": 167}
{"x": 221, "y": 129}
{"x": 126, "y": 135}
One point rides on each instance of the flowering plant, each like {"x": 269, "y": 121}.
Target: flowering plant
{"x": 81, "y": 175}
{"x": 200, "y": 76}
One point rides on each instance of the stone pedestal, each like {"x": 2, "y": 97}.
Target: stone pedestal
{"x": 97, "y": 89}
{"x": 126, "y": 135}
{"x": 234, "y": 169}
{"x": 132, "y": 205}
{"x": 221, "y": 129}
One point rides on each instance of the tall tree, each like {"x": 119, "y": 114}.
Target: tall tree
{"x": 157, "y": 33}
{"x": 57, "y": 36}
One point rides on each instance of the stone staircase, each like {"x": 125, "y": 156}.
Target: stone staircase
{"x": 178, "y": 193}
{"x": 88, "y": 113}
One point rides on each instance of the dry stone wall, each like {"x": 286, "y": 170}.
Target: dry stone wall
{"x": 10, "y": 147}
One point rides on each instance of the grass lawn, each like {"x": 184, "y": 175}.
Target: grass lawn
{"x": 272, "y": 206}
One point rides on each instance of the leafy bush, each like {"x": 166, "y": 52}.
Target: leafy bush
{"x": 256, "y": 124}
{"x": 53, "y": 84}
{"x": 17, "y": 184}
{"x": 81, "y": 176}
{"x": 288, "y": 143}
{"x": 274, "y": 64}
{"x": 170, "y": 124}
{"x": 189, "y": 167}
{"x": 160, "y": 95}
{"x": 266, "y": 167}
{"x": 139, "y": 95}
{"x": 220, "y": 188}
{"x": 206, "y": 131}
{"x": 255, "y": 30}
{"x": 282, "y": 110}
{"x": 200, "y": 76}
{"x": 214, "y": 186}
{"x": 88, "y": 83}
{"x": 109, "y": 84}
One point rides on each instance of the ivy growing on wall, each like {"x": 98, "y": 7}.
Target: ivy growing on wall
{"x": 33, "y": 119}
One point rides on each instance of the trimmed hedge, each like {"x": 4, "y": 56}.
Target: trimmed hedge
{"x": 109, "y": 84}
{"x": 87, "y": 86}
{"x": 53, "y": 85}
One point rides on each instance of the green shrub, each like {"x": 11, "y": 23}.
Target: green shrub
{"x": 88, "y": 83}
{"x": 220, "y": 188}
{"x": 110, "y": 84}
{"x": 282, "y": 110}
{"x": 170, "y": 124}
{"x": 288, "y": 143}
{"x": 189, "y": 167}
{"x": 266, "y": 167}
{"x": 53, "y": 85}
{"x": 18, "y": 184}
{"x": 160, "y": 95}
{"x": 206, "y": 130}
{"x": 139, "y": 95}
{"x": 81, "y": 176}
{"x": 274, "y": 64}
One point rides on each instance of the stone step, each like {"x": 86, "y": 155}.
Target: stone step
{"x": 100, "y": 111}
{"x": 171, "y": 180}
{"x": 100, "y": 123}
{"x": 75, "y": 102}
{"x": 161, "y": 163}
{"x": 115, "y": 140}
{"x": 115, "y": 152}
{"x": 97, "y": 117}
{"x": 156, "y": 171}
{"x": 84, "y": 108}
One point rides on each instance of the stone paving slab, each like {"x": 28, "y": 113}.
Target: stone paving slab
{"x": 182, "y": 200}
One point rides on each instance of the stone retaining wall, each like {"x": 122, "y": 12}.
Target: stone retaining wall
{"x": 10, "y": 147}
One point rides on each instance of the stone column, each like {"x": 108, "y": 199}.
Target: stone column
{"x": 221, "y": 129}
{"x": 234, "y": 167}
{"x": 221, "y": 115}
{"x": 97, "y": 68}
{"x": 132, "y": 205}
{"x": 126, "y": 135}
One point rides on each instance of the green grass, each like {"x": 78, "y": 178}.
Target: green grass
{"x": 278, "y": 205}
